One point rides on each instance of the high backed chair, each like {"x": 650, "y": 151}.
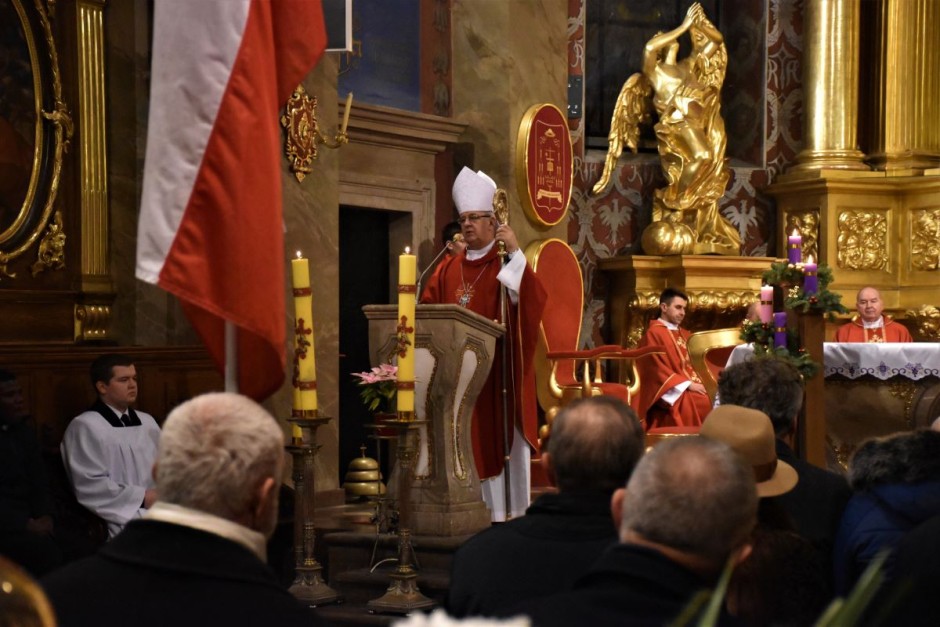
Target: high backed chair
{"x": 563, "y": 372}
{"x": 709, "y": 352}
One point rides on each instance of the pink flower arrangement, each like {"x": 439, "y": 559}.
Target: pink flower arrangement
{"x": 378, "y": 386}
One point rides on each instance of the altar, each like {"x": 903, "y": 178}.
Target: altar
{"x": 873, "y": 390}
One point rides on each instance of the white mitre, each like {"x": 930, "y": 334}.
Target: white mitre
{"x": 473, "y": 191}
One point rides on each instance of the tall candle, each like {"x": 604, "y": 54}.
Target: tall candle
{"x": 810, "y": 277}
{"x": 766, "y": 309}
{"x": 342, "y": 128}
{"x": 795, "y": 247}
{"x": 780, "y": 329}
{"x": 407, "y": 272}
{"x": 305, "y": 367}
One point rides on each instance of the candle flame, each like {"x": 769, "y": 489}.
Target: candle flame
{"x": 300, "y": 255}
{"x": 809, "y": 259}
{"x": 407, "y": 250}
{"x": 795, "y": 232}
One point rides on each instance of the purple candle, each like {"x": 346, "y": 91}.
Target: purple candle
{"x": 810, "y": 279}
{"x": 780, "y": 329}
{"x": 795, "y": 248}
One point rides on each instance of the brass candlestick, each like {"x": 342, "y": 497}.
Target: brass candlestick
{"x": 403, "y": 595}
{"x": 308, "y": 585}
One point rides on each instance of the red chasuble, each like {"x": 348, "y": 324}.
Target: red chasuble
{"x": 854, "y": 331}
{"x": 473, "y": 284}
{"x": 661, "y": 373}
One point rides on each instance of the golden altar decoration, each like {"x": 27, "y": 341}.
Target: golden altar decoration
{"x": 690, "y": 135}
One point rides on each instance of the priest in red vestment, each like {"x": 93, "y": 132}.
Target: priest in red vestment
{"x": 473, "y": 280}
{"x": 671, "y": 392}
{"x": 870, "y": 325}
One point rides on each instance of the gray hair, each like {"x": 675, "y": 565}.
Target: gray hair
{"x": 594, "y": 445}
{"x": 692, "y": 494}
{"x": 215, "y": 451}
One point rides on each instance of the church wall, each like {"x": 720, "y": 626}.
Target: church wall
{"x": 507, "y": 57}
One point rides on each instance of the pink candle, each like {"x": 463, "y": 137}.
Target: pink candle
{"x": 795, "y": 247}
{"x": 780, "y": 329}
{"x": 766, "y": 309}
{"x": 810, "y": 278}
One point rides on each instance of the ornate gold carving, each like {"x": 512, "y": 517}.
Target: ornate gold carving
{"x": 807, "y": 224}
{"x": 842, "y": 452}
{"x": 91, "y": 322}
{"x": 925, "y": 239}
{"x": 926, "y": 322}
{"x": 34, "y": 213}
{"x": 51, "y": 254}
{"x": 300, "y": 123}
{"x": 904, "y": 390}
{"x": 863, "y": 240}
{"x": 691, "y": 134}
{"x": 303, "y": 132}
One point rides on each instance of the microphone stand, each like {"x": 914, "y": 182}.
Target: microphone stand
{"x": 434, "y": 261}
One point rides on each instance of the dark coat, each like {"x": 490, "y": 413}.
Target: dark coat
{"x": 156, "y": 574}
{"x": 897, "y": 487}
{"x": 816, "y": 503}
{"x": 629, "y": 585}
{"x": 535, "y": 555}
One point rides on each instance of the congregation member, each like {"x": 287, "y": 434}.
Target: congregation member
{"x": 475, "y": 280}
{"x": 27, "y": 526}
{"x": 109, "y": 450}
{"x": 785, "y": 576}
{"x": 690, "y": 506}
{"x": 197, "y": 557}
{"x": 870, "y": 324}
{"x": 672, "y": 393}
{"x": 595, "y": 444}
{"x": 896, "y": 487}
{"x": 775, "y": 387}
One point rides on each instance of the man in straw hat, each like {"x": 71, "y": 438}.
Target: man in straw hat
{"x": 751, "y": 435}
{"x": 475, "y": 280}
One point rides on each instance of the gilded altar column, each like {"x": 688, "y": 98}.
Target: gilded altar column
{"x": 904, "y": 125}
{"x": 830, "y": 86}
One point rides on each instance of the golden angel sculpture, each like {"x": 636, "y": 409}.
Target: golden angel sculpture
{"x": 690, "y": 135}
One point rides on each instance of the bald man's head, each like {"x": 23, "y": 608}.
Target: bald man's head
{"x": 869, "y": 304}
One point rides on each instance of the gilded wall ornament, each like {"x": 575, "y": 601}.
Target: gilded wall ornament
{"x": 300, "y": 124}
{"x": 925, "y": 239}
{"x": 303, "y": 131}
{"x": 51, "y": 255}
{"x": 863, "y": 240}
{"x": 926, "y": 322}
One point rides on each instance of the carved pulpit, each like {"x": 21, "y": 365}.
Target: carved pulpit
{"x": 454, "y": 350}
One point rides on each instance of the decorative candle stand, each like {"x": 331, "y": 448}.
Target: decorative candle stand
{"x": 308, "y": 584}
{"x": 403, "y": 595}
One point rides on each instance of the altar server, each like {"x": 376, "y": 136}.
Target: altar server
{"x": 109, "y": 450}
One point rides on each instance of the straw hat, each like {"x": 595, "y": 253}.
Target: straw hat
{"x": 750, "y": 433}
{"x": 473, "y": 191}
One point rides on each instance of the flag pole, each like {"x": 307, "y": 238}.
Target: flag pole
{"x": 231, "y": 357}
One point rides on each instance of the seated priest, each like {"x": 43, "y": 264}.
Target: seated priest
{"x": 671, "y": 392}
{"x": 476, "y": 280}
{"x": 870, "y": 325}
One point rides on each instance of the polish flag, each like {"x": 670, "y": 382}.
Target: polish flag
{"x": 210, "y": 228}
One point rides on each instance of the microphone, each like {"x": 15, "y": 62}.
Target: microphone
{"x": 456, "y": 238}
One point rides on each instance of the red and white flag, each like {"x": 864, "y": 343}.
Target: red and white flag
{"x": 210, "y": 228}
